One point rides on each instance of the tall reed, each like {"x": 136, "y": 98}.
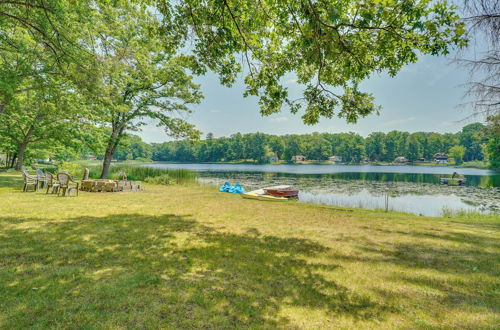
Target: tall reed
{"x": 140, "y": 173}
{"x": 133, "y": 172}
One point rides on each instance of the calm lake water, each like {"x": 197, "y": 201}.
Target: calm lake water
{"x": 414, "y": 189}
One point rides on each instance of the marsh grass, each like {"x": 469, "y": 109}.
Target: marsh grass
{"x": 469, "y": 215}
{"x": 133, "y": 172}
{"x": 185, "y": 256}
{"x": 140, "y": 173}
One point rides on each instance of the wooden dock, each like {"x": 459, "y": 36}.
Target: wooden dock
{"x": 453, "y": 181}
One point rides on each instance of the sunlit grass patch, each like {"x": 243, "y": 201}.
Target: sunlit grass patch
{"x": 191, "y": 257}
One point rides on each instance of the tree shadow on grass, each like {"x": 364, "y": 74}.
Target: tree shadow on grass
{"x": 11, "y": 181}
{"x": 461, "y": 269}
{"x": 134, "y": 270}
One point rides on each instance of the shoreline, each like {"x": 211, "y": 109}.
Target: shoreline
{"x": 325, "y": 163}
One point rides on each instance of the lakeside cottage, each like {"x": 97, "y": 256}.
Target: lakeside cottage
{"x": 298, "y": 158}
{"x": 401, "y": 160}
{"x": 274, "y": 159}
{"x": 441, "y": 158}
{"x": 335, "y": 159}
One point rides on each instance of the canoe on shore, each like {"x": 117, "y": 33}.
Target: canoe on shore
{"x": 282, "y": 191}
{"x": 261, "y": 195}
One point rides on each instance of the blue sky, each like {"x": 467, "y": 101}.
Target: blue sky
{"x": 423, "y": 97}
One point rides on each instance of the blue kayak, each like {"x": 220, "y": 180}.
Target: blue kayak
{"x": 236, "y": 189}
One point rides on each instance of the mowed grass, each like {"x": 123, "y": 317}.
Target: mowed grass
{"x": 191, "y": 257}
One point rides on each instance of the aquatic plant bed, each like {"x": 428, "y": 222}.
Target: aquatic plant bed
{"x": 419, "y": 198}
{"x": 110, "y": 185}
{"x": 157, "y": 259}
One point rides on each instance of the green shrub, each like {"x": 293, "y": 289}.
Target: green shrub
{"x": 74, "y": 169}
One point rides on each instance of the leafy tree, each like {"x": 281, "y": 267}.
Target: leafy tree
{"x": 43, "y": 31}
{"x": 471, "y": 137}
{"x": 492, "y": 131}
{"x": 185, "y": 151}
{"x": 414, "y": 147}
{"x": 47, "y": 110}
{"x": 434, "y": 145}
{"x": 330, "y": 45}
{"x": 449, "y": 140}
{"x": 140, "y": 76}
{"x": 255, "y": 146}
{"x": 457, "y": 153}
{"x": 42, "y": 67}
{"x": 375, "y": 146}
{"x": 51, "y": 23}
{"x": 352, "y": 148}
{"x": 494, "y": 152}
{"x": 277, "y": 146}
{"x": 395, "y": 144}
{"x": 236, "y": 147}
{"x": 294, "y": 147}
{"x": 132, "y": 147}
{"x": 317, "y": 148}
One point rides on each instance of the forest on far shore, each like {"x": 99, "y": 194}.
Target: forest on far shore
{"x": 472, "y": 143}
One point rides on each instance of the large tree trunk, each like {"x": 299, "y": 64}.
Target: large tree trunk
{"x": 110, "y": 151}
{"x": 12, "y": 159}
{"x": 23, "y": 145}
{"x": 108, "y": 156}
{"x": 20, "y": 155}
{"x": 7, "y": 159}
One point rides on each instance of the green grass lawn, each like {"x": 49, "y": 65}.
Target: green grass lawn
{"x": 191, "y": 257}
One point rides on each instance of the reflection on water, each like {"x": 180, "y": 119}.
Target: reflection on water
{"x": 429, "y": 205}
{"x": 386, "y": 173}
{"x": 418, "y": 197}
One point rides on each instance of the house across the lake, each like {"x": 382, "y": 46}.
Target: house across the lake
{"x": 441, "y": 158}
{"x": 401, "y": 160}
{"x": 274, "y": 159}
{"x": 298, "y": 158}
{"x": 335, "y": 159}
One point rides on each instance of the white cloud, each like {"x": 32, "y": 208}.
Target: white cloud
{"x": 279, "y": 119}
{"x": 214, "y": 111}
{"x": 450, "y": 123}
{"x": 399, "y": 121}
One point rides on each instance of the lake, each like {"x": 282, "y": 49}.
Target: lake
{"x": 414, "y": 189}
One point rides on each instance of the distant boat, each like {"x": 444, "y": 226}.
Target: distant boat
{"x": 453, "y": 181}
{"x": 282, "y": 191}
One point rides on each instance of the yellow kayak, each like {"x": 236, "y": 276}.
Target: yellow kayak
{"x": 260, "y": 195}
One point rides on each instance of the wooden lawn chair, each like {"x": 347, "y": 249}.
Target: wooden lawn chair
{"x": 66, "y": 184}
{"x": 41, "y": 178}
{"x": 29, "y": 180}
{"x": 51, "y": 182}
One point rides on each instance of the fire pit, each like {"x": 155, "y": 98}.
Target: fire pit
{"x": 103, "y": 185}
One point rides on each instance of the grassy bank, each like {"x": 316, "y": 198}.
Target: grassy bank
{"x": 191, "y": 257}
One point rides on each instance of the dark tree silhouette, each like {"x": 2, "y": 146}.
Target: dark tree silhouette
{"x": 483, "y": 88}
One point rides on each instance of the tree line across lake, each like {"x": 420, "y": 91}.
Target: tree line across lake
{"x": 473, "y": 142}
